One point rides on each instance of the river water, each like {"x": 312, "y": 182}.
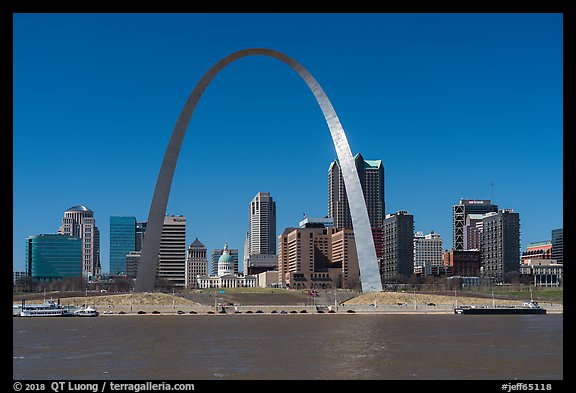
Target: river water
{"x": 263, "y": 347}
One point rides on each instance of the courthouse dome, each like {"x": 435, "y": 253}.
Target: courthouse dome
{"x": 225, "y": 257}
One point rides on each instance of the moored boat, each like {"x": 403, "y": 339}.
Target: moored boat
{"x": 527, "y": 308}
{"x": 87, "y": 312}
{"x": 47, "y": 309}
{"x": 50, "y": 309}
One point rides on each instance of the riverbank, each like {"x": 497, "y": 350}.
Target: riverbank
{"x": 257, "y": 303}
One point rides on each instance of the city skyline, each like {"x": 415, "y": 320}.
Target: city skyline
{"x": 480, "y": 119}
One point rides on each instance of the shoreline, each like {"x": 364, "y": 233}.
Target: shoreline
{"x": 384, "y": 303}
{"x": 555, "y": 310}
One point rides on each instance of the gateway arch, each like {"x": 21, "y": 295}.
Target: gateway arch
{"x": 368, "y": 263}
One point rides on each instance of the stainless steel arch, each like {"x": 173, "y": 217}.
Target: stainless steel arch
{"x": 369, "y": 274}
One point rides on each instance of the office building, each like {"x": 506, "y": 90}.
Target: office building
{"x": 79, "y": 222}
{"x": 378, "y": 239}
{"x": 543, "y": 272}
{"x": 427, "y": 252}
{"x": 122, "y": 242}
{"x": 501, "y": 245}
{"x": 398, "y": 247}
{"x": 537, "y": 250}
{"x": 268, "y": 279}
{"x": 132, "y": 262}
{"x": 258, "y": 263}
{"x": 262, "y": 225}
{"x": 260, "y": 243}
{"x": 558, "y": 245}
{"x": 140, "y": 230}
{"x": 196, "y": 263}
{"x": 318, "y": 258}
{"x": 371, "y": 174}
{"x": 172, "y": 254}
{"x": 460, "y": 223}
{"x": 473, "y": 231}
{"x": 50, "y": 257}
{"x": 463, "y": 263}
{"x": 19, "y": 277}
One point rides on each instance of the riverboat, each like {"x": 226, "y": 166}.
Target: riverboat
{"x": 527, "y": 308}
{"x": 47, "y": 309}
{"x": 51, "y": 308}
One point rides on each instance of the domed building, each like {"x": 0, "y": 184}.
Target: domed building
{"x": 226, "y": 277}
{"x": 79, "y": 222}
{"x": 225, "y": 263}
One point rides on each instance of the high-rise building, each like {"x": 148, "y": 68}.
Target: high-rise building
{"x": 558, "y": 245}
{"x": 371, "y": 174}
{"x": 79, "y": 222}
{"x": 473, "y": 231}
{"x": 50, "y": 257}
{"x": 262, "y": 225}
{"x": 398, "y": 246}
{"x": 246, "y": 254}
{"x": 501, "y": 245}
{"x": 132, "y": 262}
{"x": 140, "y": 230}
{"x": 217, "y": 253}
{"x": 318, "y": 258}
{"x": 260, "y": 245}
{"x": 427, "y": 252}
{"x": 133, "y": 257}
{"x": 460, "y": 234}
{"x": 172, "y": 253}
{"x": 378, "y": 238}
{"x": 122, "y": 242}
{"x": 343, "y": 255}
{"x": 196, "y": 263}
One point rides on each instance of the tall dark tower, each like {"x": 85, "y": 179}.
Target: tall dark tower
{"x": 501, "y": 245}
{"x": 459, "y": 214}
{"x": 371, "y": 174}
{"x": 398, "y": 248}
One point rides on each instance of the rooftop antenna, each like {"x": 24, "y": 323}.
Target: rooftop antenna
{"x": 492, "y": 190}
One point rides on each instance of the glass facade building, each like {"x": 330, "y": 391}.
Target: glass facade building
{"x": 122, "y": 241}
{"x": 558, "y": 245}
{"x": 140, "y": 230}
{"x": 51, "y": 257}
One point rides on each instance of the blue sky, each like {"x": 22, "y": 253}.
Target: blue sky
{"x": 455, "y": 105}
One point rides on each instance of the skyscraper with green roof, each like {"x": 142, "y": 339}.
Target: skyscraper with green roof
{"x": 371, "y": 174}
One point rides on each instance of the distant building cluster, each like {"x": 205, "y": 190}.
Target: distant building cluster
{"x": 318, "y": 254}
